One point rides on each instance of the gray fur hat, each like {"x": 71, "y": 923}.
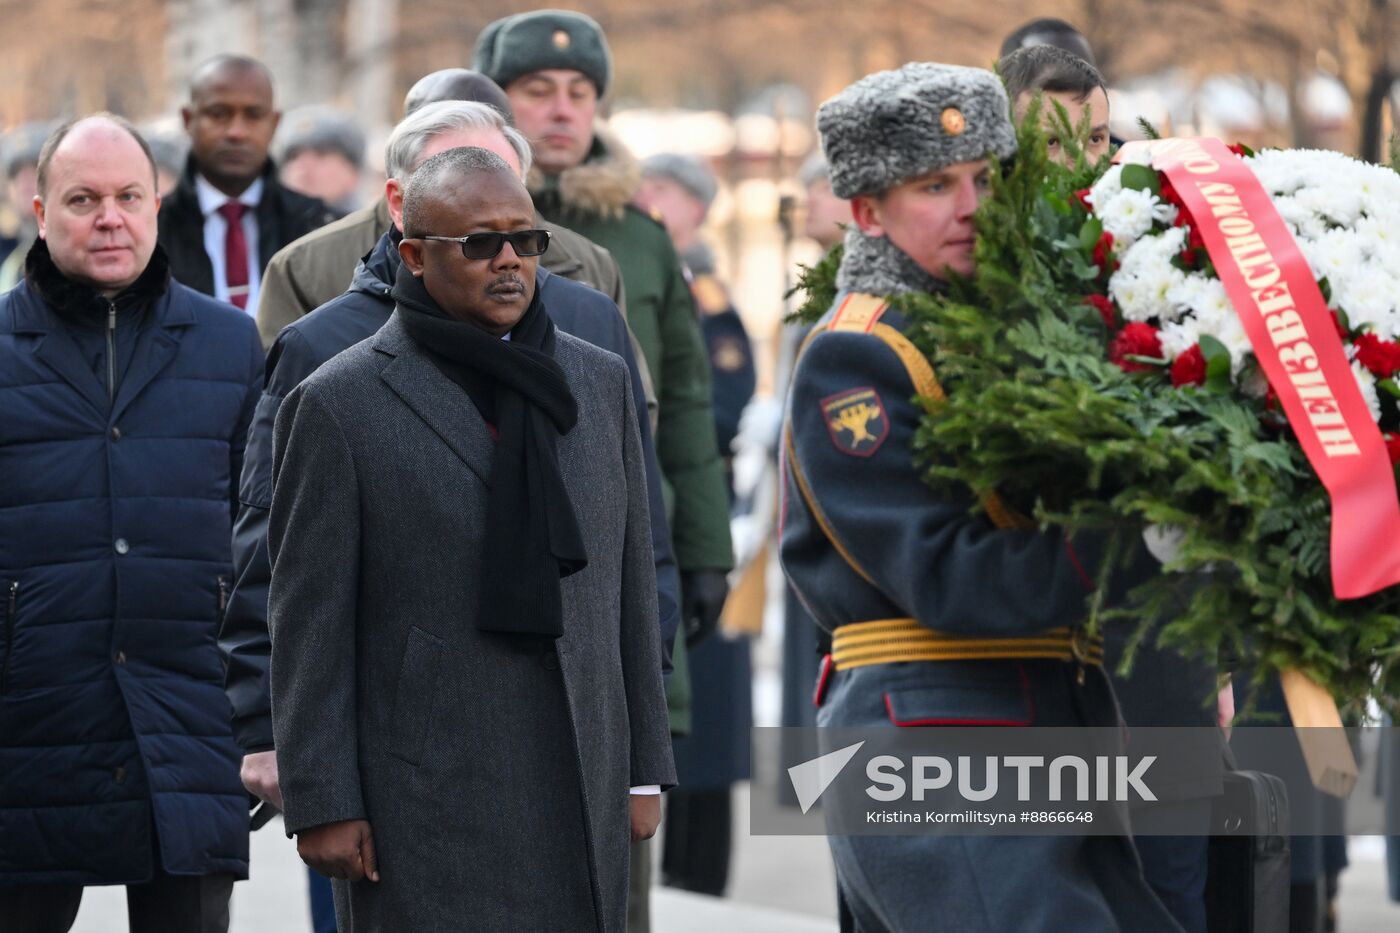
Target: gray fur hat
{"x": 891, "y": 126}
{"x": 687, "y": 171}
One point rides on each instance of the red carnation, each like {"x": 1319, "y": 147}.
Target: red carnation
{"x": 1105, "y": 308}
{"x": 1392, "y": 447}
{"x": 1103, "y": 249}
{"x": 1081, "y": 197}
{"x": 1136, "y": 339}
{"x": 1189, "y": 369}
{"x": 1381, "y": 357}
{"x": 1169, "y": 196}
{"x": 1239, "y": 150}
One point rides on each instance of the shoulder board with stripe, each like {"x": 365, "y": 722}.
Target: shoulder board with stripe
{"x": 861, "y": 313}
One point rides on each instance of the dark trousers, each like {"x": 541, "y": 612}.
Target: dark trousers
{"x": 695, "y": 849}
{"x": 1176, "y": 866}
{"x": 639, "y": 888}
{"x": 318, "y": 888}
{"x": 165, "y": 904}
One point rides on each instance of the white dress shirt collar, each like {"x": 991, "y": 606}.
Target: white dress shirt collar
{"x": 211, "y": 198}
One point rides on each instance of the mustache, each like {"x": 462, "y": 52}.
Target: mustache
{"x": 507, "y": 282}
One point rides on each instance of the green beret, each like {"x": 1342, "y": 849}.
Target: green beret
{"x": 892, "y": 126}
{"x": 527, "y": 42}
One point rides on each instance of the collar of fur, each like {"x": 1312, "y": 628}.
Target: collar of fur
{"x": 874, "y": 266}
{"x": 80, "y": 303}
{"x": 601, "y": 185}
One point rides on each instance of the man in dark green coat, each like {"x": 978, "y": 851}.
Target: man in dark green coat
{"x": 555, "y": 67}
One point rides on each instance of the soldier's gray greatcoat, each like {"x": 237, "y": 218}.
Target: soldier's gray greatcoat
{"x": 864, "y": 539}
{"x": 495, "y": 778}
{"x": 910, "y": 554}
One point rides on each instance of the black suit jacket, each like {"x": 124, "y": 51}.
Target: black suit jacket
{"x": 283, "y": 216}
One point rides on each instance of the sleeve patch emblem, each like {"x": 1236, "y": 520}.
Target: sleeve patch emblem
{"x": 856, "y": 421}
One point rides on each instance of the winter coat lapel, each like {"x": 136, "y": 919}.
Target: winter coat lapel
{"x": 57, "y": 349}
{"x": 442, "y": 405}
{"x": 154, "y": 352}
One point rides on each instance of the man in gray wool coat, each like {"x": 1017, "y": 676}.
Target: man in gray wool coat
{"x": 466, "y": 668}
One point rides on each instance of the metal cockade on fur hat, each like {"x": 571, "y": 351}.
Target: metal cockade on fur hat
{"x": 891, "y": 126}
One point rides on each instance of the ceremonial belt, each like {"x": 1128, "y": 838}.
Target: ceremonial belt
{"x": 891, "y": 641}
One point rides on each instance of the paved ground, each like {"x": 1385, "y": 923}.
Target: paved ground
{"x": 781, "y": 885}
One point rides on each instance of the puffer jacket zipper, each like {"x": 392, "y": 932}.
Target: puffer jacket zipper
{"x": 111, "y": 351}
{"x": 11, "y": 610}
{"x": 223, "y": 602}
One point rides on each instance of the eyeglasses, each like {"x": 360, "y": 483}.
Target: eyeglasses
{"x": 488, "y": 245}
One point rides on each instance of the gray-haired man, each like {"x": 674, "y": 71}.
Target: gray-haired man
{"x": 316, "y": 268}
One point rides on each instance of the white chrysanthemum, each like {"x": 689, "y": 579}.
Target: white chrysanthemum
{"x": 1106, "y": 187}
{"x": 1145, "y": 281}
{"x": 1344, "y": 215}
{"x": 1379, "y": 235}
{"x": 1128, "y": 292}
{"x": 1278, "y": 176}
{"x": 1177, "y": 337}
{"x": 1367, "y": 383}
{"x": 1293, "y": 213}
{"x": 1127, "y": 215}
{"x": 1334, "y": 256}
{"x": 1370, "y": 298}
{"x": 1333, "y": 204}
{"x": 1184, "y": 296}
{"x": 1151, "y": 252}
{"x": 1213, "y": 300}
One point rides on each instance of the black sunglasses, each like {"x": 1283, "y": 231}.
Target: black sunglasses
{"x": 488, "y": 245}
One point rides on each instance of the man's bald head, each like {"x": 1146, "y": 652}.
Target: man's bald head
{"x": 469, "y": 192}
{"x": 231, "y": 120}
{"x": 100, "y": 125}
{"x": 97, "y": 202}
{"x": 450, "y": 176}
{"x": 222, "y": 68}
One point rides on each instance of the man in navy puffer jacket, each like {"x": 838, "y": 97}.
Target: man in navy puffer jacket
{"x": 126, "y": 399}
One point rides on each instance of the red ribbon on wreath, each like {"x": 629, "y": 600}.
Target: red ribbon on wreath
{"x": 1295, "y": 340}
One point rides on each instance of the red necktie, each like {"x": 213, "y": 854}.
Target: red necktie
{"x": 235, "y": 253}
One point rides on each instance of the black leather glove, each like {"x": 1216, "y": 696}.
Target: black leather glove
{"x": 702, "y": 599}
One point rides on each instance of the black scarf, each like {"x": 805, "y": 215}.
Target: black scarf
{"x": 532, "y": 535}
